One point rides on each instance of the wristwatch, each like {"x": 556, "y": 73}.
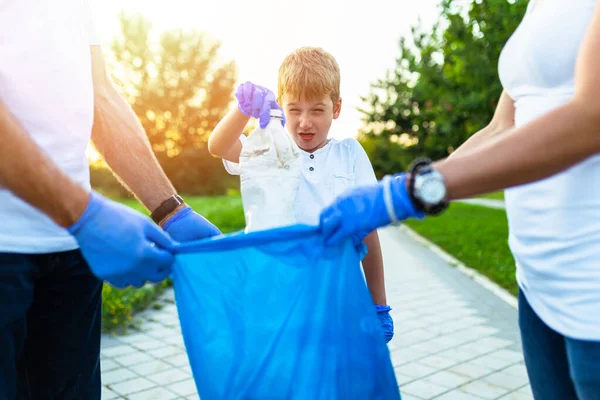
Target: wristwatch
{"x": 427, "y": 187}
{"x": 166, "y": 207}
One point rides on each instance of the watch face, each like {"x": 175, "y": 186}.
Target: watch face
{"x": 430, "y": 189}
{"x": 433, "y": 191}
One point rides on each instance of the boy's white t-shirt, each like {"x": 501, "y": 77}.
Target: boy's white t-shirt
{"x": 326, "y": 173}
{"x": 46, "y": 84}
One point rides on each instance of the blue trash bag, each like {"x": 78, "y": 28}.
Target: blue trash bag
{"x": 276, "y": 315}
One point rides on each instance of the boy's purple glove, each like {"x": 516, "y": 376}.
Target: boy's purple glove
{"x": 257, "y": 102}
{"x": 387, "y": 323}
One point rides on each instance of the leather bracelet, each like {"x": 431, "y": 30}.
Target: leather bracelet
{"x": 166, "y": 207}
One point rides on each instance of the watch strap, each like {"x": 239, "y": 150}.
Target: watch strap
{"x": 166, "y": 207}
{"x": 423, "y": 165}
{"x": 413, "y": 170}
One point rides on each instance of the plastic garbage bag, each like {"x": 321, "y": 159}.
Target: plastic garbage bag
{"x": 271, "y": 168}
{"x": 276, "y": 315}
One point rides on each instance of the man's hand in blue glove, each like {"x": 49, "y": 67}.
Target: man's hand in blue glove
{"x": 363, "y": 209}
{"x": 122, "y": 246}
{"x": 387, "y": 323}
{"x": 187, "y": 225}
{"x": 257, "y": 102}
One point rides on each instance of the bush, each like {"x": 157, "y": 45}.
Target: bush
{"x": 120, "y": 305}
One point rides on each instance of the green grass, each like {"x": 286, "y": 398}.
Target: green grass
{"x": 475, "y": 235}
{"x": 120, "y": 305}
{"x": 493, "y": 196}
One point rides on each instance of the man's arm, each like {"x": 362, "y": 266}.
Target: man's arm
{"x": 120, "y": 138}
{"x": 373, "y": 266}
{"x": 224, "y": 141}
{"x": 28, "y": 172}
{"x": 502, "y": 122}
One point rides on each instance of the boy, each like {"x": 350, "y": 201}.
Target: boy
{"x": 309, "y": 90}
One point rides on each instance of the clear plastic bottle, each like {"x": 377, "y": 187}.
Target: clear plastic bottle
{"x": 271, "y": 167}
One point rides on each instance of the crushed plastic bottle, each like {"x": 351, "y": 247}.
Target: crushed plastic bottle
{"x": 271, "y": 167}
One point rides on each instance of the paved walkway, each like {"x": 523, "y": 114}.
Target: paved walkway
{"x": 454, "y": 339}
{"x": 492, "y": 203}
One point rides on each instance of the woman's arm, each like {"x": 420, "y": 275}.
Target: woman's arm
{"x": 502, "y": 122}
{"x": 544, "y": 147}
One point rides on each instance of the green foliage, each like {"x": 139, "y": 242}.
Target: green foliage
{"x": 103, "y": 181}
{"x": 180, "y": 91}
{"x": 120, "y": 305}
{"x": 444, "y": 86}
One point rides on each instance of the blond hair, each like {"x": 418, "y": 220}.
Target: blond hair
{"x": 309, "y": 73}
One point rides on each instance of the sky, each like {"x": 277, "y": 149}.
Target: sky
{"x": 257, "y": 34}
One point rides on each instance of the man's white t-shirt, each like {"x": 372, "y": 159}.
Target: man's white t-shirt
{"x": 554, "y": 223}
{"x": 46, "y": 83}
{"x": 326, "y": 173}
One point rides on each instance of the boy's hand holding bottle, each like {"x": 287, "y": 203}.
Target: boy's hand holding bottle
{"x": 257, "y": 102}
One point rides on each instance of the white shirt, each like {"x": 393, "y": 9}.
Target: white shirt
{"x": 554, "y": 224}
{"x": 46, "y": 83}
{"x": 326, "y": 174}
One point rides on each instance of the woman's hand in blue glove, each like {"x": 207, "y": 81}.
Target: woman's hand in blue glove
{"x": 363, "y": 209}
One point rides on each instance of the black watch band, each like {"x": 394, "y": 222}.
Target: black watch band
{"x": 413, "y": 170}
{"x": 166, "y": 207}
{"x": 422, "y": 166}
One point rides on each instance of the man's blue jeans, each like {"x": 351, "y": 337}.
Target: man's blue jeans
{"x": 50, "y": 316}
{"x": 559, "y": 368}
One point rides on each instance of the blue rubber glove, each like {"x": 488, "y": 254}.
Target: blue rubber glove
{"x": 362, "y": 209}
{"x": 387, "y": 323}
{"x": 257, "y": 102}
{"x": 187, "y": 225}
{"x": 122, "y": 246}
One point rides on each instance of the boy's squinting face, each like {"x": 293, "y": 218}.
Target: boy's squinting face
{"x": 308, "y": 122}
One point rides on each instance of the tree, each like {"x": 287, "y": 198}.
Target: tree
{"x": 179, "y": 93}
{"x": 444, "y": 86}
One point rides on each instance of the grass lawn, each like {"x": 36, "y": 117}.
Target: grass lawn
{"x": 493, "y": 196}
{"x": 475, "y": 235}
{"x": 119, "y": 305}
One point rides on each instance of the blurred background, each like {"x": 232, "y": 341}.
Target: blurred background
{"x": 417, "y": 77}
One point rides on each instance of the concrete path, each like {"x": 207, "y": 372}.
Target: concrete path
{"x": 454, "y": 340}
{"x": 485, "y": 202}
